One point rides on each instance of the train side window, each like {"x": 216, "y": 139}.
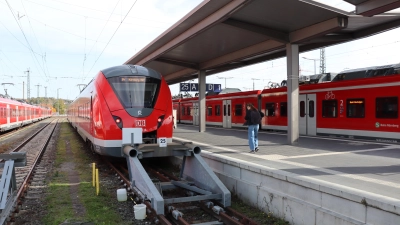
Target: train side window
{"x": 356, "y": 108}
{"x": 188, "y": 111}
{"x": 217, "y": 110}
{"x": 329, "y": 108}
{"x": 387, "y": 107}
{"x": 209, "y": 110}
{"x": 302, "y": 108}
{"x": 311, "y": 109}
{"x": 284, "y": 109}
{"x": 270, "y": 109}
{"x": 183, "y": 110}
{"x": 238, "y": 110}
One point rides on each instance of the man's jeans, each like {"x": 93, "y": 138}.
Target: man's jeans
{"x": 253, "y": 136}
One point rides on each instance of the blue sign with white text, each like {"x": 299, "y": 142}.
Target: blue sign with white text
{"x": 186, "y": 87}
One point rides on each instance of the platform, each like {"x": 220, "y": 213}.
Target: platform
{"x": 362, "y": 173}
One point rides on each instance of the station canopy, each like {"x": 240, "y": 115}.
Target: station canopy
{"x": 220, "y": 35}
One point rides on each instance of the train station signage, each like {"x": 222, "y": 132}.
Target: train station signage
{"x": 186, "y": 87}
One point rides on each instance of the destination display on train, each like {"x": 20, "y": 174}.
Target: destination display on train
{"x": 357, "y": 102}
{"x": 133, "y": 79}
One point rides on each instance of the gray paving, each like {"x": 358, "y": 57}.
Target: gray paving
{"x": 366, "y": 166}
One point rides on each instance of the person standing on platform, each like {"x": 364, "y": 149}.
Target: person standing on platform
{"x": 253, "y": 119}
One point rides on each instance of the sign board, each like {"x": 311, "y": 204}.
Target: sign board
{"x": 186, "y": 87}
{"x": 162, "y": 142}
{"x": 130, "y": 135}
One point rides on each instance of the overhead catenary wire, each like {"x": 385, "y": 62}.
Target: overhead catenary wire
{"x": 77, "y": 14}
{"x": 110, "y": 39}
{"x": 40, "y": 48}
{"x": 101, "y": 32}
{"x": 102, "y": 11}
{"x": 18, "y": 39}
{"x": 30, "y": 47}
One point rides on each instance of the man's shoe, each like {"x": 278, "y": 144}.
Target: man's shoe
{"x": 256, "y": 149}
{"x": 252, "y": 152}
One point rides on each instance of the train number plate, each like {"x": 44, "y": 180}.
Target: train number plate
{"x": 140, "y": 123}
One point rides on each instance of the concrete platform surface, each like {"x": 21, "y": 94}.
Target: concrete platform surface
{"x": 367, "y": 166}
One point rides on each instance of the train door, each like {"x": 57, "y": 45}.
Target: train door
{"x": 8, "y": 114}
{"x": 307, "y": 120}
{"x": 17, "y": 113}
{"x": 195, "y": 113}
{"x": 226, "y": 119}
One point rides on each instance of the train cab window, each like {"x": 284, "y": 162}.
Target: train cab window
{"x": 283, "y": 108}
{"x": 355, "y": 108}
{"x": 302, "y": 108}
{"x": 238, "y": 110}
{"x": 217, "y": 110}
{"x": 311, "y": 109}
{"x": 329, "y": 108}
{"x": 136, "y": 91}
{"x": 270, "y": 109}
{"x": 387, "y": 107}
{"x": 209, "y": 110}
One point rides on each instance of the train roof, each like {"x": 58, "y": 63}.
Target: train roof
{"x": 130, "y": 70}
{"x": 16, "y": 102}
{"x": 368, "y": 72}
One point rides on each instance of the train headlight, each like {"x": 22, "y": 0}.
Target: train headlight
{"x": 118, "y": 121}
{"x": 160, "y": 120}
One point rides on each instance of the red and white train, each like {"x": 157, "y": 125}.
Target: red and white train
{"x": 120, "y": 97}
{"x": 14, "y": 114}
{"x": 356, "y": 104}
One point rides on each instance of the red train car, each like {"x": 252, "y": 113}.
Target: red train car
{"x": 360, "y": 103}
{"x": 126, "y": 96}
{"x": 226, "y": 110}
{"x": 14, "y": 114}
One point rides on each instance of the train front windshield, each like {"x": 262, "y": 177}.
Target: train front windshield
{"x": 136, "y": 91}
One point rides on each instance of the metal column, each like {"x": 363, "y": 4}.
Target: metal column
{"x": 292, "y": 52}
{"x": 202, "y": 100}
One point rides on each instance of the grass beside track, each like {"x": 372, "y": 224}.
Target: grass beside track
{"x": 58, "y": 202}
{"x": 255, "y": 214}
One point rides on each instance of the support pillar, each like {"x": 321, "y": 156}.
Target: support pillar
{"x": 202, "y": 100}
{"x": 292, "y": 52}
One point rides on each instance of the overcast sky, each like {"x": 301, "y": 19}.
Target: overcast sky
{"x": 65, "y": 43}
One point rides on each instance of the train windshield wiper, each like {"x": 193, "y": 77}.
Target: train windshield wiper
{"x": 130, "y": 98}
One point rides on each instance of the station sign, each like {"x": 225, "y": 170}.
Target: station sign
{"x": 186, "y": 87}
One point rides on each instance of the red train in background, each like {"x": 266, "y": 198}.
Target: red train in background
{"x": 357, "y": 104}
{"x": 15, "y": 114}
{"x": 118, "y": 98}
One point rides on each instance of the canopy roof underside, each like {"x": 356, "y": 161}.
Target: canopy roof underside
{"x": 222, "y": 35}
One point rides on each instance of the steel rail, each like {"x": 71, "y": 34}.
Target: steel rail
{"x": 152, "y": 213}
{"x": 41, "y": 151}
{"x": 26, "y": 141}
{"x": 28, "y": 177}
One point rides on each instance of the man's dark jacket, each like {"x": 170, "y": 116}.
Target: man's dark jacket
{"x": 252, "y": 117}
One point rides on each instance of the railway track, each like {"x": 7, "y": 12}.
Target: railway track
{"x": 204, "y": 212}
{"x": 10, "y": 133}
{"x": 30, "y": 179}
